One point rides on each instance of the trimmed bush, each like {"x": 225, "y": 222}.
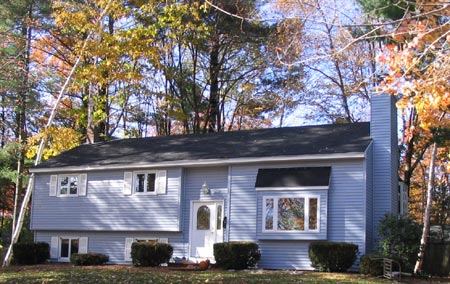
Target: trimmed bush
{"x": 150, "y": 253}
{"x": 371, "y": 264}
{"x": 82, "y": 259}
{"x": 31, "y": 253}
{"x": 236, "y": 255}
{"x": 332, "y": 256}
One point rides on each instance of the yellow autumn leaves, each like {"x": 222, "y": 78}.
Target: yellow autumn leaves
{"x": 57, "y": 139}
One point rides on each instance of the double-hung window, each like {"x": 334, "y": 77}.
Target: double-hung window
{"x": 145, "y": 182}
{"x": 68, "y": 185}
{"x": 291, "y": 213}
{"x": 153, "y": 182}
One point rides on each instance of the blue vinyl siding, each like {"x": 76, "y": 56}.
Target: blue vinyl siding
{"x": 285, "y": 255}
{"x": 385, "y": 157}
{"x": 243, "y": 205}
{"x": 342, "y": 211}
{"x": 217, "y": 180}
{"x": 343, "y": 208}
{"x": 369, "y": 201}
{"x": 105, "y": 207}
{"x": 346, "y": 207}
{"x": 112, "y": 244}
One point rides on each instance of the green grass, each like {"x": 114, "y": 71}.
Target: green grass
{"x": 127, "y": 274}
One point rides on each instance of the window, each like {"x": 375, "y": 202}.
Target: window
{"x": 219, "y": 217}
{"x": 291, "y": 214}
{"x": 203, "y": 218}
{"x": 145, "y": 182}
{"x": 62, "y": 247}
{"x": 68, "y": 247}
{"x": 68, "y": 185}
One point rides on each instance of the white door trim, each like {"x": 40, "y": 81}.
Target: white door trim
{"x": 191, "y": 223}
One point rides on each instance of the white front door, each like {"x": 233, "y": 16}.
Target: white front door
{"x": 205, "y": 228}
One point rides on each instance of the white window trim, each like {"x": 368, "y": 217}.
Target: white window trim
{"x": 275, "y": 214}
{"x": 292, "y": 188}
{"x": 82, "y": 246}
{"x": 68, "y": 194}
{"x": 135, "y": 173}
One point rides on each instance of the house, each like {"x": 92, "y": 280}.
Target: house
{"x": 281, "y": 188}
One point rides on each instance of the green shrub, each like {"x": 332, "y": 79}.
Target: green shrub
{"x": 236, "y": 255}
{"x": 82, "y": 259}
{"x": 31, "y": 253}
{"x": 371, "y": 264}
{"x": 150, "y": 253}
{"x": 332, "y": 256}
{"x": 400, "y": 240}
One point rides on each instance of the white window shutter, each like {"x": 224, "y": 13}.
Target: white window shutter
{"x": 83, "y": 245}
{"x": 161, "y": 187}
{"x": 127, "y": 183}
{"x": 54, "y": 247}
{"x": 82, "y": 185}
{"x": 128, "y": 243}
{"x": 53, "y": 185}
{"x": 163, "y": 240}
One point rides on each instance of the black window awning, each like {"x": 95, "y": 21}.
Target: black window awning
{"x": 305, "y": 177}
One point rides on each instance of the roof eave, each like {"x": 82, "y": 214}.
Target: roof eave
{"x": 203, "y": 162}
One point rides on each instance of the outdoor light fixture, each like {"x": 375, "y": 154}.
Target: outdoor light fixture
{"x": 205, "y": 188}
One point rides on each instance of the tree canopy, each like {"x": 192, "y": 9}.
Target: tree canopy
{"x": 172, "y": 67}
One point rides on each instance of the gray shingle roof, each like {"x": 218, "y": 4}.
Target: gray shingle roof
{"x": 289, "y": 141}
{"x": 293, "y": 177}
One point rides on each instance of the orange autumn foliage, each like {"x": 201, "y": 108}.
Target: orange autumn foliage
{"x": 418, "y": 72}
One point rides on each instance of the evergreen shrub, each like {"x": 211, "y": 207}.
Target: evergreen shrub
{"x": 371, "y": 264}
{"x": 31, "y": 253}
{"x": 83, "y": 259}
{"x": 332, "y": 256}
{"x": 236, "y": 255}
{"x": 150, "y": 253}
{"x": 400, "y": 240}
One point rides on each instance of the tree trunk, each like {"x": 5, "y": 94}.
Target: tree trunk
{"x": 2, "y": 220}
{"x": 91, "y": 133}
{"x": 21, "y": 115}
{"x": 29, "y": 191}
{"x": 3, "y": 121}
{"x": 426, "y": 217}
{"x": 214, "y": 69}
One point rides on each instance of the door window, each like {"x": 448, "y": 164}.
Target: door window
{"x": 203, "y": 218}
{"x": 219, "y": 217}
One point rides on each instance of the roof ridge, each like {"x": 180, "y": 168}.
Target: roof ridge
{"x": 256, "y": 143}
{"x": 233, "y": 132}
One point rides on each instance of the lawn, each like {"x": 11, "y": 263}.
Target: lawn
{"x": 115, "y": 274}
